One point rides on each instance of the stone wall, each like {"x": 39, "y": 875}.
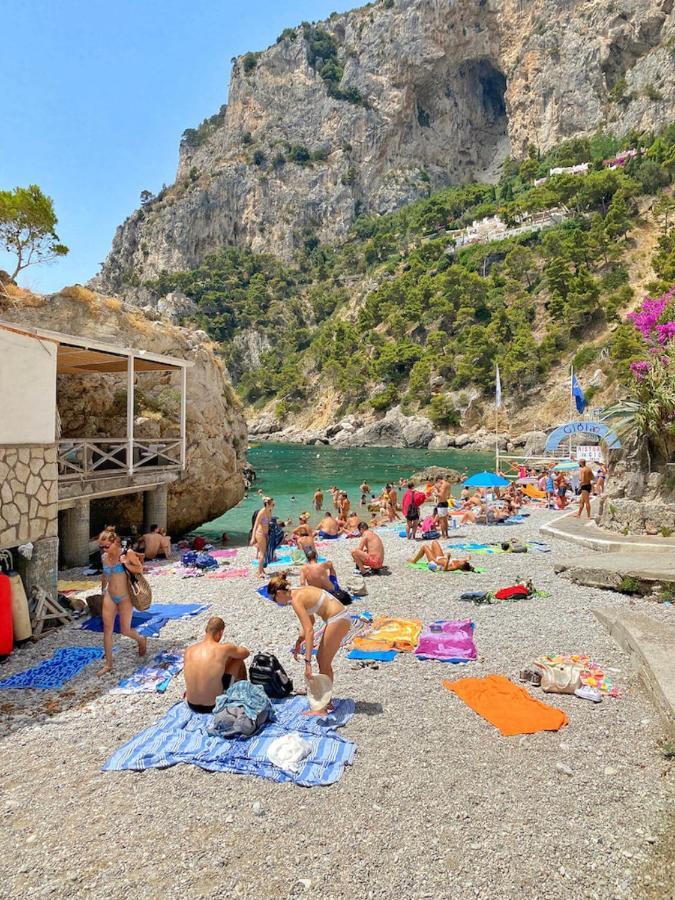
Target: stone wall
{"x": 28, "y": 494}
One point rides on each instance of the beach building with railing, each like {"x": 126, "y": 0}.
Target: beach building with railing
{"x": 48, "y": 483}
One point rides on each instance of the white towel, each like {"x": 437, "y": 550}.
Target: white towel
{"x": 287, "y": 752}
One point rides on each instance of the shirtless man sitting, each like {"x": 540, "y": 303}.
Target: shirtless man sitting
{"x": 155, "y": 544}
{"x": 328, "y": 527}
{"x": 211, "y": 667}
{"x": 370, "y": 552}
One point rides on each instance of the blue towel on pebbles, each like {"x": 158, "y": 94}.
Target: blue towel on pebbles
{"x": 53, "y": 673}
{"x": 181, "y": 736}
{"x": 377, "y": 655}
{"x": 150, "y": 622}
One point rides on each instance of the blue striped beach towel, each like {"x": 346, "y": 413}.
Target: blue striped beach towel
{"x": 150, "y": 622}
{"x": 53, "y": 673}
{"x": 181, "y": 736}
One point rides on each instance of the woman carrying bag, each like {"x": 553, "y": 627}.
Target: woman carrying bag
{"x": 117, "y": 565}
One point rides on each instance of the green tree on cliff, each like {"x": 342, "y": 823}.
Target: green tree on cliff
{"x": 27, "y": 227}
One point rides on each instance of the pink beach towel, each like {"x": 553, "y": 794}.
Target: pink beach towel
{"x": 229, "y": 573}
{"x": 224, "y": 554}
{"x": 450, "y": 642}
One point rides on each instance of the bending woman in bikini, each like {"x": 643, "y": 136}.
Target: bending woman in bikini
{"x": 260, "y": 533}
{"x": 309, "y": 602}
{"x": 435, "y": 556}
{"x": 115, "y": 590}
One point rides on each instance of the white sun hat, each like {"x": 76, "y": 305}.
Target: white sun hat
{"x": 319, "y": 692}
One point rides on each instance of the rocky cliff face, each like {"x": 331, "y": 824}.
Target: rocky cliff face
{"x": 371, "y": 109}
{"x": 95, "y": 405}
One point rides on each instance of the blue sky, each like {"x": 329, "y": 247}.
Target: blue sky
{"x": 96, "y": 95}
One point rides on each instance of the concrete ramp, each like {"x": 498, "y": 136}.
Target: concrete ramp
{"x": 652, "y": 646}
{"x": 608, "y": 570}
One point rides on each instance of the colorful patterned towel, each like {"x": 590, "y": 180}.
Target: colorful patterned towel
{"x": 181, "y": 736}
{"x": 452, "y": 644}
{"x": 53, "y": 673}
{"x": 506, "y": 705}
{"x": 592, "y": 674}
{"x": 150, "y": 622}
{"x": 155, "y": 676}
{"x": 389, "y": 633}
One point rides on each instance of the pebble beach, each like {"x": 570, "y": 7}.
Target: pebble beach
{"x": 437, "y": 804}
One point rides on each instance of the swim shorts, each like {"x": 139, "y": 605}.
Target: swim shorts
{"x": 442, "y": 509}
{"x": 373, "y": 562}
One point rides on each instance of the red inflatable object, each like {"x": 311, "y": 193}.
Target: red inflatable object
{"x": 6, "y": 629}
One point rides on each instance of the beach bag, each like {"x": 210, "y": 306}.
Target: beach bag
{"x": 140, "y": 592}
{"x": 562, "y": 679}
{"x": 413, "y": 511}
{"x": 514, "y": 547}
{"x": 476, "y": 596}
{"x": 199, "y": 543}
{"x": 357, "y": 586}
{"x": 341, "y": 595}
{"x": 205, "y": 561}
{"x": 267, "y": 671}
{"x": 515, "y": 592}
{"x": 430, "y": 535}
{"x": 188, "y": 559}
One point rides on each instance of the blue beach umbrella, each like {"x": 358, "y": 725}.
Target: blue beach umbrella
{"x": 487, "y": 479}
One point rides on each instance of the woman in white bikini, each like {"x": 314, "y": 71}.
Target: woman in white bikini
{"x": 115, "y": 589}
{"x": 309, "y": 602}
{"x": 260, "y": 532}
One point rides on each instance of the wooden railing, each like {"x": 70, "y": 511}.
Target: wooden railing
{"x": 103, "y": 457}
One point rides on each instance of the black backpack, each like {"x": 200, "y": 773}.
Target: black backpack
{"x": 267, "y": 671}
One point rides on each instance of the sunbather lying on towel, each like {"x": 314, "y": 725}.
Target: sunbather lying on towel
{"x": 437, "y": 558}
{"x": 211, "y": 667}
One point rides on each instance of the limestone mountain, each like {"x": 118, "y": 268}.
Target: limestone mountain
{"x": 377, "y": 107}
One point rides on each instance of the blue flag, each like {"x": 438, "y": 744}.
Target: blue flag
{"x": 578, "y": 394}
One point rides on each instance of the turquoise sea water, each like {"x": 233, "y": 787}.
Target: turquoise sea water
{"x": 287, "y": 470}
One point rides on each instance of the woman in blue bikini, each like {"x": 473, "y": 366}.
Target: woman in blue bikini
{"x": 115, "y": 589}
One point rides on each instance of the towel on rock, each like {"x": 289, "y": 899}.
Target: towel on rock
{"x": 375, "y": 655}
{"x": 53, "y": 673}
{"x": 154, "y": 677}
{"x": 181, "y": 736}
{"x": 389, "y": 633}
{"x": 452, "y": 644}
{"x": 506, "y": 705}
{"x": 152, "y": 620}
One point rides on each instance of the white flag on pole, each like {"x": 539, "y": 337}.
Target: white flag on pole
{"x": 498, "y": 390}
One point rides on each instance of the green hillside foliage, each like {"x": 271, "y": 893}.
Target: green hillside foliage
{"x": 438, "y": 312}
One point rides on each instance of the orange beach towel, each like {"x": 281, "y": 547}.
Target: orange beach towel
{"x": 506, "y": 705}
{"x": 391, "y": 634}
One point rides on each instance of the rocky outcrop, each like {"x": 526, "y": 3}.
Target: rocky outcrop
{"x": 95, "y": 405}
{"x": 637, "y": 501}
{"x": 374, "y": 107}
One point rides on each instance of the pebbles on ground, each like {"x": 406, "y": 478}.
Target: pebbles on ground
{"x": 437, "y": 803}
